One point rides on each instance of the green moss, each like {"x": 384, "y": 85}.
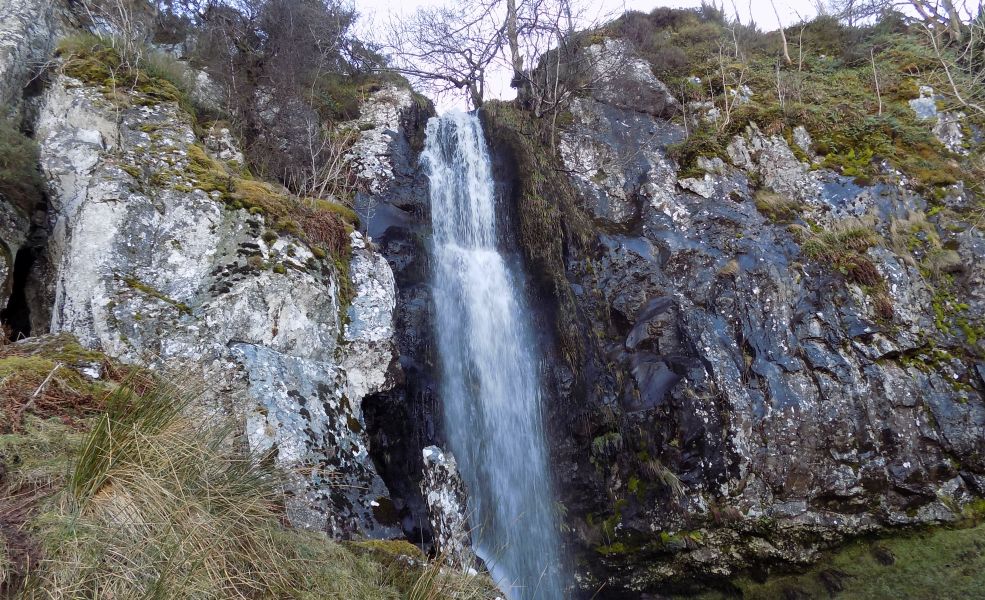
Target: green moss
{"x": 935, "y": 563}
{"x": 97, "y": 62}
{"x": 209, "y": 174}
{"x": 832, "y": 96}
{"x": 279, "y": 269}
{"x": 551, "y": 224}
{"x": 604, "y": 444}
{"x": 391, "y": 548}
{"x": 703, "y": 143}
{"x": 341, "y": 210}
{"x": 614, "y": 548}
{"x": 148, "y": 290}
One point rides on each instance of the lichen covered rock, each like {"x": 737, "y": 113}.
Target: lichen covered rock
{"x": 151, "y": 266}
{"x": 447, "y": 502}
{"x": 743, "y": 395}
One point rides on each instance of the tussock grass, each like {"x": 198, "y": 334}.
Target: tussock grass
{"x": 159, "y": 500}
{"x": 843, "y": 247}
{"x": 776, "y": 207}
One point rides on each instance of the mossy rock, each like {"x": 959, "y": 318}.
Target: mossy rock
{"x": 550, "y": 221}
{"x": 930, "y": 564}
{"x": 97, "y": 62}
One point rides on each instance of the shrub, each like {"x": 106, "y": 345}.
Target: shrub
{"x": 20, "y": 181}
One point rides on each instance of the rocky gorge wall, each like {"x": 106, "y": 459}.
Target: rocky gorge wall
{"x": 730, "y": 388}
{"x": 728, "y": 398}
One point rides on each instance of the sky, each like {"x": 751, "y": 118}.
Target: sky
{"x": 375, "y": 13}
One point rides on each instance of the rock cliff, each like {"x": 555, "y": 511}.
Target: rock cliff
{"x": 145, "y": 256}
{"x": 737, "y": 388}
{"x": 755, "y": 350}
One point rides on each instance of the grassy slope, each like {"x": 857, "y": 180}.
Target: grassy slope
{"x": 137, "y": 497}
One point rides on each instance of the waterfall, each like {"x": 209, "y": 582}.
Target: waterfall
{"x": 490, "y": 385}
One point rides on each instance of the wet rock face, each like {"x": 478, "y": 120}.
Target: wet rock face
{"x": 402, "y": 420}
{"x": 150, "y": 268}
{"x": 739, "y": 404}
{"x": 447, "y": 502}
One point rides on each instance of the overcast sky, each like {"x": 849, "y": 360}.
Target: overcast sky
{"x": 375, "y": 13}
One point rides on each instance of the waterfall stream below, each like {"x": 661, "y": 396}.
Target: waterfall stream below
{"x": 490, "y": 386}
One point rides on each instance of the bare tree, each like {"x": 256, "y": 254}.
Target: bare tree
{"x": 941, "y": 14}
{"x": 962, "y": 62}
{"x": 445, "y": 49}
{"x": 326, "y": 173}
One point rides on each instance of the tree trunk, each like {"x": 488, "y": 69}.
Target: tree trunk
{"x": 954, "y": 20}
{"x": 512, "y": 38}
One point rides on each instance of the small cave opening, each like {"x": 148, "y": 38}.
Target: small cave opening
{"x": 400, "y": 423}
{"x": 16, "y": 316}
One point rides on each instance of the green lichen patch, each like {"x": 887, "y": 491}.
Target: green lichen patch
{"x": 153, "y": 292}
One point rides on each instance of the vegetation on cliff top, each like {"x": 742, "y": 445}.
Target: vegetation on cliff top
{"x": 848, "y": 86}
{"x": 136, "y": 494}
{"x": 149, "y": 78}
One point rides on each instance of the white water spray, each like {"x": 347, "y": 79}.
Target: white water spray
{"x": 490, "y": 387}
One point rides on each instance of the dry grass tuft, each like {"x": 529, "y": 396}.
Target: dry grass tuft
{"x": 41, "y": 376}
{"x": 156, "y": 500}
{"x": 843, "y": 247}
{"x": 776, "y": 207}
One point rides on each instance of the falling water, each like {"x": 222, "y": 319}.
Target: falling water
{"x": 490, "y": 385}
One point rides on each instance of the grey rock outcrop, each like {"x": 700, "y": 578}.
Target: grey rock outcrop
{"x": 447, "y": 503}
{"x": 946, "y": 126}
{"x": 622, "y": 79}
{"x": 28, "y": 31}
{"x": 150, "y": 268}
